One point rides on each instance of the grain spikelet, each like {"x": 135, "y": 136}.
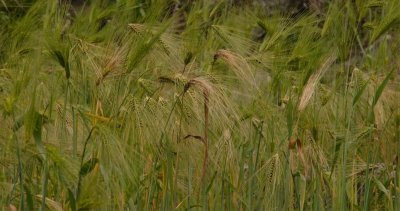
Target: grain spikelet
{"x": 111, "y": 66}
{"x": 50, "y": 203}
{"x": 239, "y": 65}
{"x": 141, "y": 30}
{"x": 271, "y": 172}
{"x": 137, "y": 27}
{"x": 162, "y": 103}
{"x": 148, "y": 85}
{"x": 134, "y": 107}
{"x": 68, "y": 118}
{"x": 150, "y": 105}
{"x": 309, "y": 88}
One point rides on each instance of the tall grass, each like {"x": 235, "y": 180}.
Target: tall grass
{"x": 160, "y": 105}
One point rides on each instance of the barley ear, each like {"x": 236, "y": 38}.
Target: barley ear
{"x": 312, "y": 82}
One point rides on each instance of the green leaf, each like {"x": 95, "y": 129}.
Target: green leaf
{"x": 71, "y": 199}
{"x": 19, "y": 121}
{"x": 29, "y": 198}
{"x": 302, "y": 191}
{"x": 88, "y": 166}
{"x": 37, "y": 134}
{"x": 359, "y": 93}
{"x": 62, "y": 59}
{"x": 145, "y": 45}
{"x": 380, "y": 89}
{"x": 390, "y": 18}
{"x": 188, "y": 58}
{"x": 33, "y": 125}
{"x": 339, "y": 142}
{"x": 211, "y": 182}
{"x": 290, "y": 117}
{"x": 382, "y": 188}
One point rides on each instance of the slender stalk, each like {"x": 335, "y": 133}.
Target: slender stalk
{"x": 20, "y": 173}
{"x": 78, "y": 189}
{"x": 205, "y": 138}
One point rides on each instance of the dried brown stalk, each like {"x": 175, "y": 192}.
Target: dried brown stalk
{"x": 206, "y": 93}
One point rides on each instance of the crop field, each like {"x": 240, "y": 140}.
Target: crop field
{"x": 199, "y": 105}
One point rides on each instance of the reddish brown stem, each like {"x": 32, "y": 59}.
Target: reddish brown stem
{"x": 204, "y": 139}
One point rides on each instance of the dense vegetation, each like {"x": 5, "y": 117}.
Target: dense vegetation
{"x": 215, "y": 105}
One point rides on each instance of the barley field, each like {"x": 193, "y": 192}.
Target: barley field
{"x": 199, "y": 105}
